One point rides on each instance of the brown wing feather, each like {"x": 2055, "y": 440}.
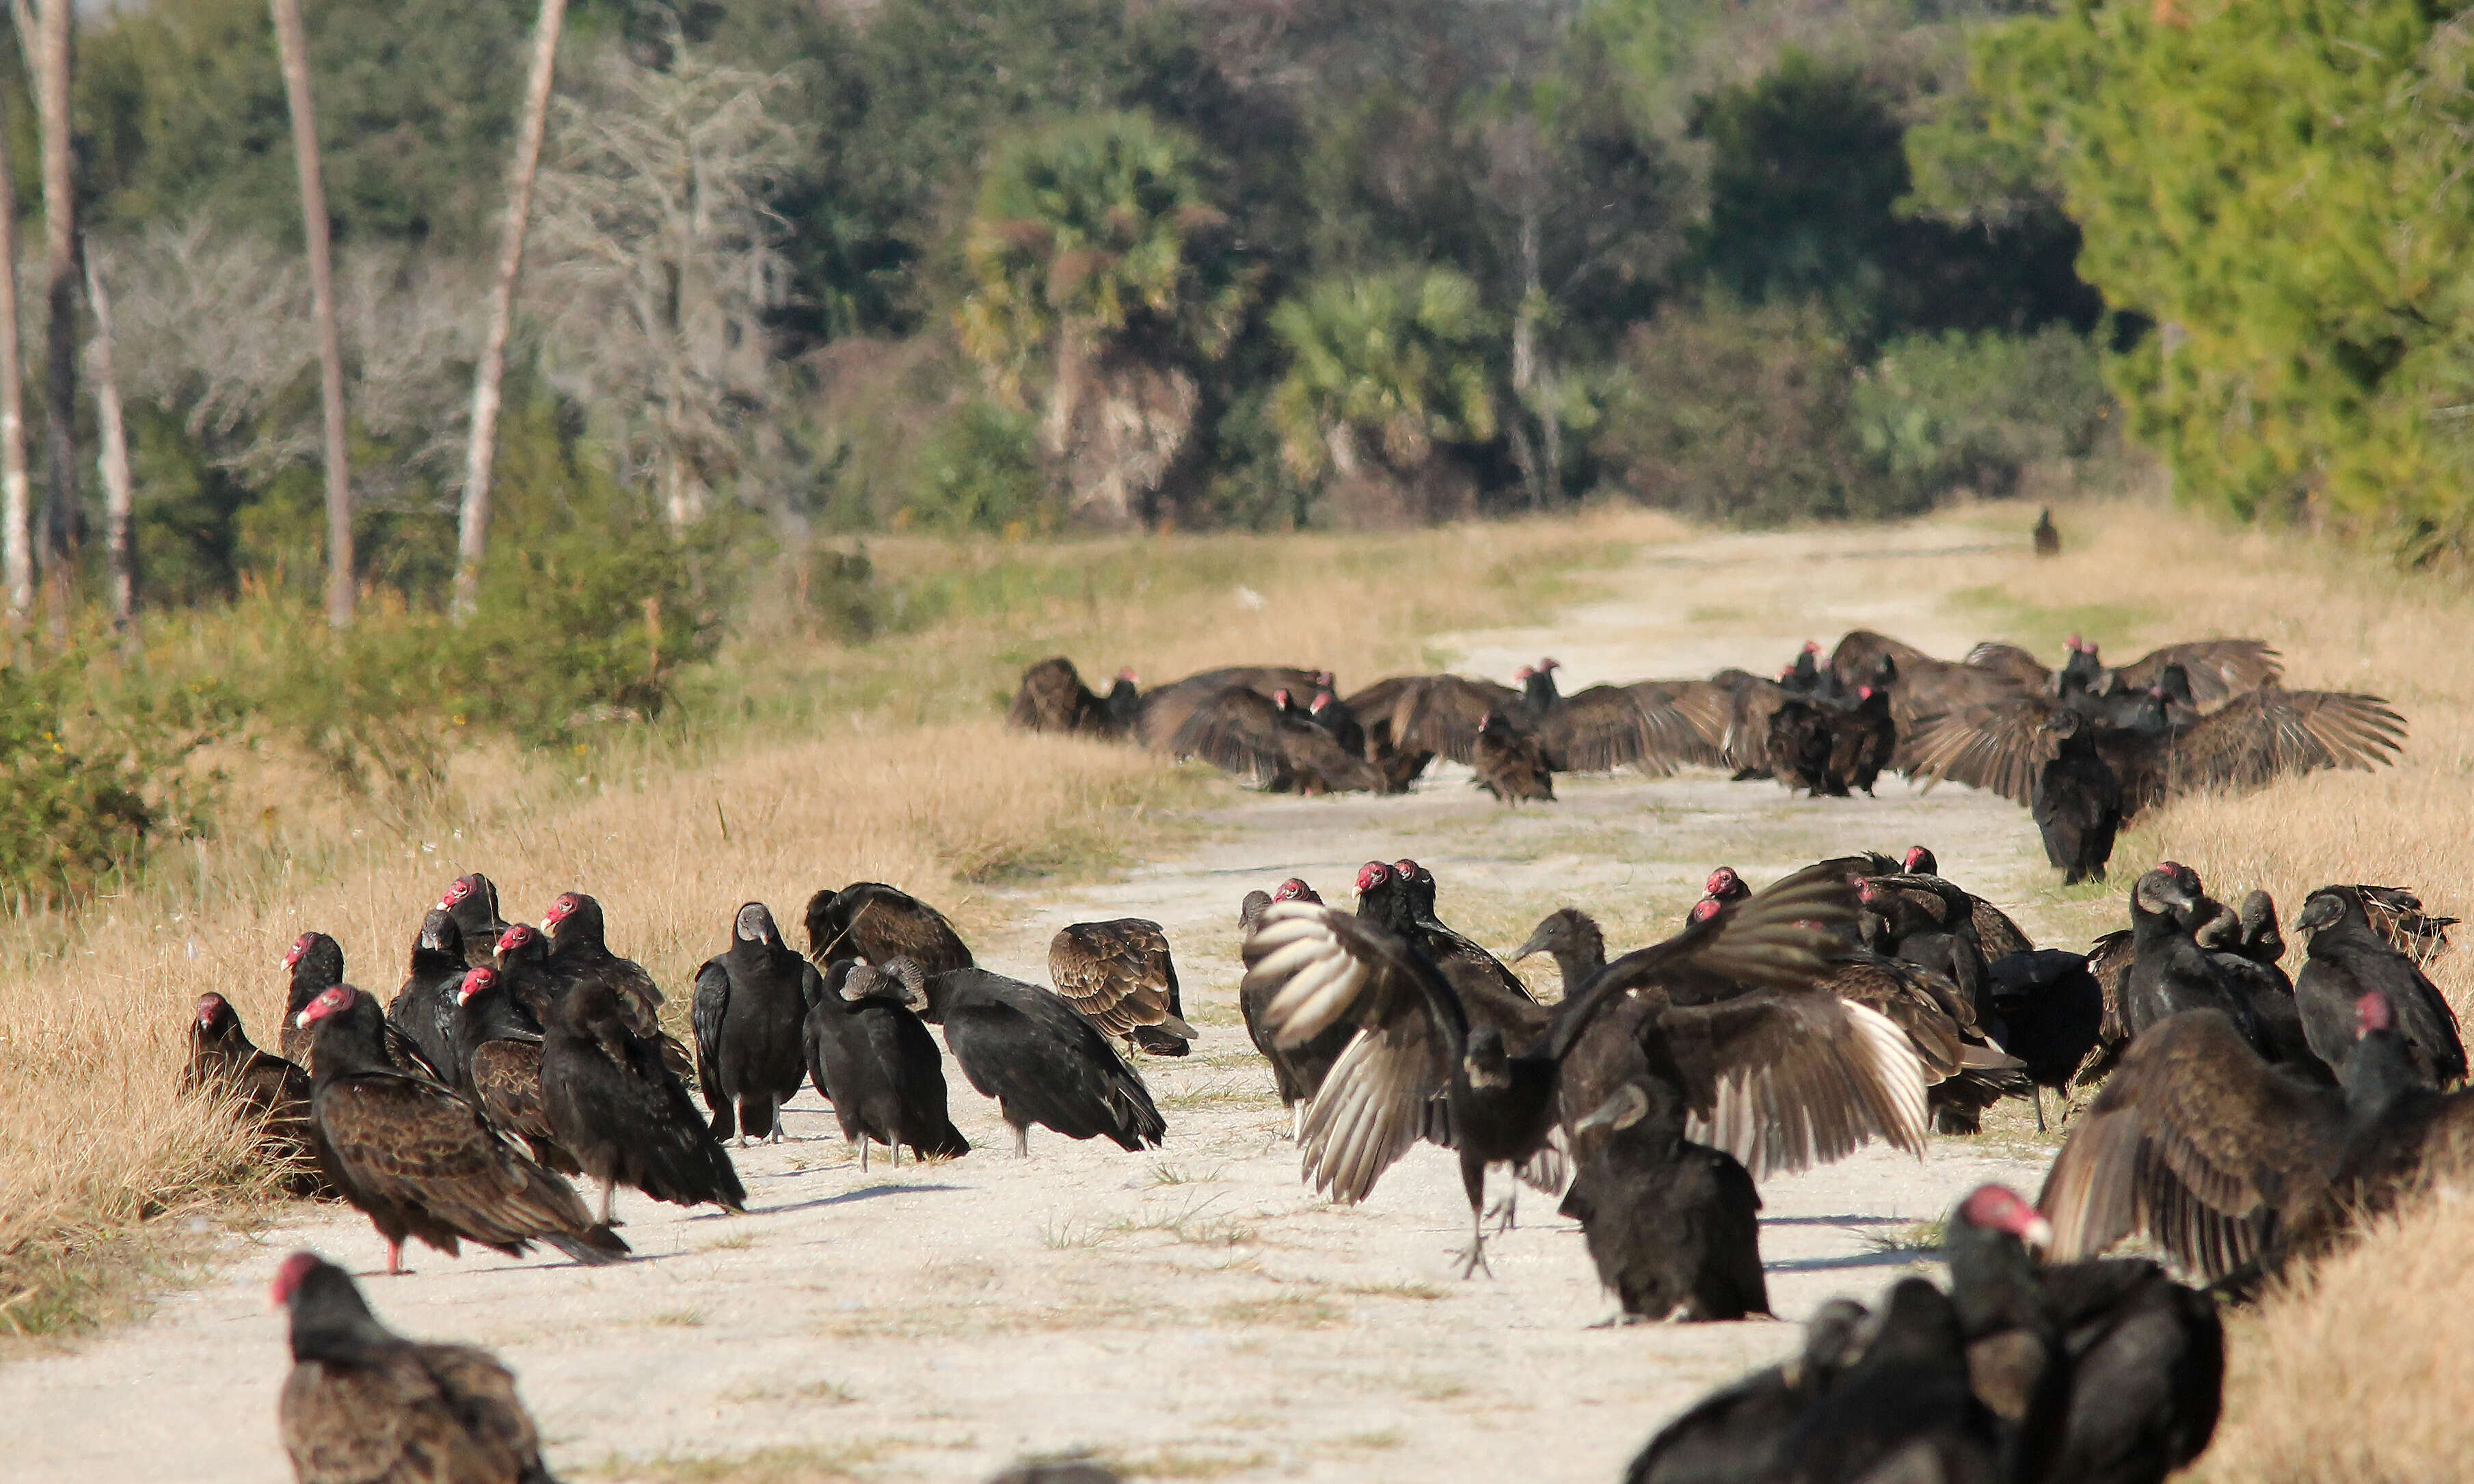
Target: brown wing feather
{"x": 1891, "y": 989}
{"x": 2218, "y": 669}
{"x": 1746, "y": 741}
{"x": 1787, "y": 1081}
{"x": 1051, "y": 699}
{"x": 1603, "y": 727}
{"x": 882, "y": 931}
{"x": 1701, "y": 707}
{"x": 420, "y": 1412}
{"x": 1118, "y": 974}
{"x": 2012, "y": 663}
{"x": 419, "y": 1146}
{"x": 1442, "y": 714}
{"x": 1998, "y": 748}
{"x": 2271, "y": 733}
{"x": 1238, "y": 731}
{"x": 2195, "y": 1142}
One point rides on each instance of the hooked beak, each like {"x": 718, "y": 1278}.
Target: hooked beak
{"x": 1537, "y": 945}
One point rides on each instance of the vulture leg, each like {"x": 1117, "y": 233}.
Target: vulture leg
{"x": 1503, "y": 1210}
{"x": 894, "y": 1149}
{"x": 773, "y": 1109}
{"x": 1022, "y": 1141}
{"x": 609, "y": 1188}
{"x": 1473, "y": 1182}
{"x": 394, "y": 1256}
{"x": 2038, "y": 1091}
{"x": 862, "y": 1154}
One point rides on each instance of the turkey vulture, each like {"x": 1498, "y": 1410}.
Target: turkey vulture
{"x": 1606, "y": 726}
{"x": 419, "y": 1159}
{"x": 872, "y": 1058}
{"x": 1297, "y": 1072}
{"x": 1272, "y": 743}
{"x": 750, "y": 1015}
{"x": 2239, "y": 1168}
{"x": 270, "y": 1092}
{"x": 1732, "y": 1436}
{"x": 1053, "y": 698}
{"x": 1427, "y": 716}
{"x": 1797, "y": 750}
{"x": 611, "y": 1097}
{"x": 1165, "y": 710}
{"x": 312, "y": 965}
{"x": 2346, "y": 958}
{"x": 2110, "y": 1371}
{"x": 364, "y": 1405}
{"x": 424, "y": 1008}
{"x": 1401, "y": 896}
{"x": 1509, "y": 763}
{"x": 1674, "y": 1227}
{"x": 1778, "y": 1077}
{"x": 1042, "y": 1062}
{"x": 498, "y": 1065}
{"x": 1995, "y": 932}
{"x": 2047, "y": 536}
{"x": 473, "y": 900}
{"x": 877, "y": 924}
{"x": 1119, "y": 974}
{"x": 523, "y": 963}
{"x": 1919, "y": 686}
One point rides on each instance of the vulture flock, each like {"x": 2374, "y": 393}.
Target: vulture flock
{"x": 2242, "y": 1121}
{"x": 2085, "y": 748}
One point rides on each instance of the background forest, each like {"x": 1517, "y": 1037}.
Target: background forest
{"x": 802, "y": 270}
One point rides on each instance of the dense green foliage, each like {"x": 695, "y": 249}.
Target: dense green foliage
{"x": 87, "y": 788}
{"x": 2279, "y": 188}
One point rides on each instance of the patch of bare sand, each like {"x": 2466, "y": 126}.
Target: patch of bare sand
{"x": 1191, "y": 1312}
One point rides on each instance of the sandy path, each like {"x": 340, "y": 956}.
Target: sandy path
{"x": 1191, "y": 1312}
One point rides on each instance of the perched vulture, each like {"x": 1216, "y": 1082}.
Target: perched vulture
{"x": 750, "y": 1014}
{"x": 579, "y": 954}
{"x": 312, "y": 965}
{"x": 424, "y": 1008}
{"x": 498, "y": 1065}
{"x": 364, "y": 1405}
{"x": 473, "y": 901}
{"x": 1042, "y": 1062}
{"x": 875, "y": 923}
{"x": 269, "y": 1091}
{"x": 419, "y": 1159}
{"x": 871, "y": 1055}
{"x": 613, "y": 1098}
{"x": 1119, "y": 974}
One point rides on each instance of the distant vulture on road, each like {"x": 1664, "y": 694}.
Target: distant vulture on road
{"x": 364, "y": 1405}
{"x": 419, "y": 1159}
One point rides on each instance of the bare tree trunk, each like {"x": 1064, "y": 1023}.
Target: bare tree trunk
{"x": 114, "y": 463}
{"x": 472, "y": 526}
{"x": 293, "y": 43}
{"x": 59, "y": 239}
{"x": 17, "y": 564}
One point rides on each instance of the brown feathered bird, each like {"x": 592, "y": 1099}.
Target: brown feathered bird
{"x": 364, "y": 1405}
{"x": 265, "y": 1090}
{"x": 874, "y": 923}
{"x": 1053, "y": 698}
{"x": 498, "y": 1065}
{"x": 419, "y": 1159}
{"x": 580, "y": 954}
{"x": 1273, "y": 742}
{"x": 2048, "y": 535}
{"x": 1119, "y": 974}
{"x": 1511, "y": 763}
{"x": 2239, "y": 1168}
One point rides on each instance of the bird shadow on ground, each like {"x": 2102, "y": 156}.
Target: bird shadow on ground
{"x": 1898, "y": 1257}
{"x": 848, "y": 1195}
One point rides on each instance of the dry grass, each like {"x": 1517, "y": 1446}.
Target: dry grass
{"x": 2347, "y": 1375}
{"x": 892, "y": 765}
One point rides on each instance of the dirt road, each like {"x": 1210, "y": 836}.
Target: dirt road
{"x": 1191, "y": 1312}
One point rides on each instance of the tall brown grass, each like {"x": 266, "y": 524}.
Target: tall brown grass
{"x": 908, "y": 778}
{"x": 2357, "y": 1370}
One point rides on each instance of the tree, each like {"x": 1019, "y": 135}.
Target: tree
{"x": 659, "y": 263}
{"x": 473, "y": 525}
{"x": 17, "y": 567}
{"x": 113, "y": 436}
{"x": 53, "y": 67}
{"x": 1383, "y": 369}
{"x": 1100, "y": 270}
{"x": 294, "y": 46}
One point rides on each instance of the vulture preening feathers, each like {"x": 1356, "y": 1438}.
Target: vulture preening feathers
{"x": 870, "y": 1055}
{"x": 1042, "y": 1062}
{"x": 421, "y": 1160}
{"x": 875, "y": 923}
{"x": 364, "y": 1405}
{"x": 1120, "y": 975}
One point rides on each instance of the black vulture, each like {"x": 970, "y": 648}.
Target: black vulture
{"x": 869, "y": 1054}
{"x": 750, "y": 1017}
{"x": 1296, "y": 1071}
{"x": 1674, "y": 1227}
{"x": 1042, "y": 1062}
{"x": 2346, "y": 958}
{"x": 613, "y": 1101}
{"x": 1732, "y": 1436}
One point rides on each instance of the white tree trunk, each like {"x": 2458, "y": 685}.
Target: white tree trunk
{"x": 473, "y": 525}
{"x": 112, "y": 462}
{"x": 16, "y": 543}
{"x": 292, "y": 43}
{"x": 51, "y": 53}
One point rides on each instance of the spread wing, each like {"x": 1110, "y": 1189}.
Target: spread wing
{"x": 1607, "y": 728}
{"x": 1118, "y": 974}
{"x": 1786, "y": 1081}
{"x": 2193, "y": 1142}
{"x": 1752, "y": 703}
{"x": 2012, "y": 663}
{"x": 1321, "y": 965}
{"x": 1051, "y": 699}
{"x": 1238, "y": 731}
{"x": 2218, "y": 669}
{"x": 2268, "y": 734}
{"x": 710, "y": 1005}
{"x": 1442, "y": 713}
{"x": 1704, "y": 707}
{"x": 1999, "y": 747}
{"x": 1860, "y": 653}
{"x": 1900, "y": 992}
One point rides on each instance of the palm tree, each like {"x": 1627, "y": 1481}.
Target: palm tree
{"x": 1382, "y": 368}
{"x": 1103, "y": 271}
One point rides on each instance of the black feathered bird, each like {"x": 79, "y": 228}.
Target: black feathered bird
{"x": 498, "y": 1065}
{"x": 364, "y": 1405}
{"x": 473, "y": 901}
{"x": 2346, "y": 958}
{"x": 1674, "y": 1227}
{"x": 875, "y": 923}
{"x": 613, "y": 1100}
{"x": 266, "y": 1090}
{"x": 1732, "y": 1436}
{"x": 419, "y": 1159}
{"x": 872, "y": 1058}
{"x": 1296, "y": 1071}
{"x": 1042, "y": 1062}
{"x": 313, "y": 965}
{"x": 1904, "y": 1411}
{"x": 424, "y": 1008}
{"x": 750, "y": 1016}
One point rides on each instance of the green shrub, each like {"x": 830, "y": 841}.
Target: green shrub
{"x": 1938, "y": 414}
{"x": 981, "y": 472}
{"x": 84, "y": 790}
